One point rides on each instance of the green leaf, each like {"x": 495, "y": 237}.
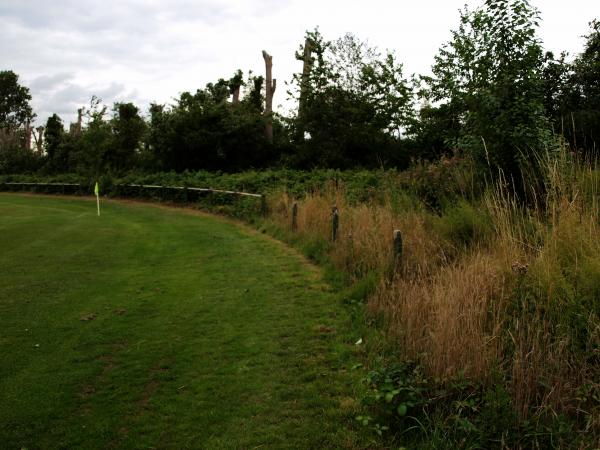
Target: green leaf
{"x": 402, "y": 409}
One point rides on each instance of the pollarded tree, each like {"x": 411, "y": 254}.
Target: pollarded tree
{"x": 235, "y": 83}
{"x": 490, "y": 74}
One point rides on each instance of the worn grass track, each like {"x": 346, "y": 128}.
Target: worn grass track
{"x": 150, "y": 328}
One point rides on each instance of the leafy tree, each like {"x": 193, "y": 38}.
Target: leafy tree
{"x": 235, "y": 83}
{"x": 15, "y": 113}
{"x": 583, "y": 100}
{"x": 53, "y": 136}
{"x": 489, "y": 75}
{"x": 255, "y": 99}
{"x": 128, "y": 130}
{"x": 435, "y": 131}
{"x": 205, "y": 131}
{"x": 353, "y": 104}
{"x": 586, "y": 68}
{"x": 15, "y": 110}
{"x": 556, "y": 76}
{"x": 89, "y": 153}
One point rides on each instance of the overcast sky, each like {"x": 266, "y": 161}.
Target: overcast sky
{"x": 146, "y": 51}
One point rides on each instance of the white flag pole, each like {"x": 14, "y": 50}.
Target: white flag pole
{"x": 97, "y": 192}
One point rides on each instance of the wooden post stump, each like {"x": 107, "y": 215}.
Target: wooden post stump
{"x": 335, "y": 222}
{"x": 294, "y": 216}
{"x": 397, "y": 250}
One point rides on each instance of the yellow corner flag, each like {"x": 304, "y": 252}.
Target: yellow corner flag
{"x": 97, "y": 192}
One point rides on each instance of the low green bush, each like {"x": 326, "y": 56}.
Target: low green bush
{"x": 464, "y": 224}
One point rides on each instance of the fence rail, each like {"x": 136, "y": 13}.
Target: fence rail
{"x": 40, "y": 184}
{"x": 143, "y": 186}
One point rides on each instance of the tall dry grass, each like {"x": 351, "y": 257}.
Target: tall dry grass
{"x": 496, "y": 305}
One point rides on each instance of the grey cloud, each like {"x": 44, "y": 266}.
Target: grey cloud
{"x": 69, "y": 97}
{"x": 137, "y": 16}
{"x": 49, "y": 82}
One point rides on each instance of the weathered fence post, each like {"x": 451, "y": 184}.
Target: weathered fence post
{"x": 397, "y": 249}
{"x": 335, "y": 222}
{"x": 294, "y": 216}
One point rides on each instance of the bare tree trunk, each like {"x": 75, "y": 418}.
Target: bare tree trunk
{"x": 75, "y": 128}
{"x": 27, "y": 141}
{"x": 271, "y": 84}
{"x": 236, "y": 95}
{"x": 306, "y": 68}
{"x": 79, "y": 120}
{"x": 39, "y": 139}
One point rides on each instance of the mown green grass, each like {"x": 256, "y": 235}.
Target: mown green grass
{"x": 155, "y": 328}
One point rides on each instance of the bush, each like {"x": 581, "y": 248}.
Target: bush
{"x": 464, "y": 224}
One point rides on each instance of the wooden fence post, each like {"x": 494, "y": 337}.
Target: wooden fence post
{"x": 294, "y": 216}
{"x": 335, "y": 222}
{"x": 397, "y": 249}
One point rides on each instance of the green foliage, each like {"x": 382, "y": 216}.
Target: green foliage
{"x": 574, "y": 94}
{"x": 93, "y": 147}
{"x": 353, "y": 103}
{"x": 15, "y": 110}
{"x": 15, "y": 116}
{"x": 422, "y": 413}
{"x": 205, "y": 131}
{"x": 53, "y": 138}
{"x": 464, "y": 224}
{"x": 490, "y": 75}
{"x": 399, "y": 392}
{"x": 128, "y": 132}
{"x": 14, "y": 158}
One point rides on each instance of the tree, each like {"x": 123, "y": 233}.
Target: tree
{"x": 88, "y": 151}
{"x": 128, "y": 129}
{"x": 435, "y": 131}
{"x": 16, "y": 116}
{"x": 271, "y": 85}
{"x": 15, "y": 110}
{"x": 53, "y": 136}
{"x": 353, "y": 104}
{"x": 235, "y": 83}
{"x": 490, "y": 76}
{"x": 205, "y": 131}
{"x": 583, "y": 100}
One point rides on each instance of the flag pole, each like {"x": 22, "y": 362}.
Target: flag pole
{"x": 97, "y": 192}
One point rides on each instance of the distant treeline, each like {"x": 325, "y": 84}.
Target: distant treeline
{"x": 494, "y": 94}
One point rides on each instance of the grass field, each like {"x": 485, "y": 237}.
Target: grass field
{"x": 155, "y": 328}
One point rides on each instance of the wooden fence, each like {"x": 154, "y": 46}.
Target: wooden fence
{"x": 129, "y": 190}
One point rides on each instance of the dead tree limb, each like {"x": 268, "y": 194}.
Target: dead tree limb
{"x": 270, "y": 86}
